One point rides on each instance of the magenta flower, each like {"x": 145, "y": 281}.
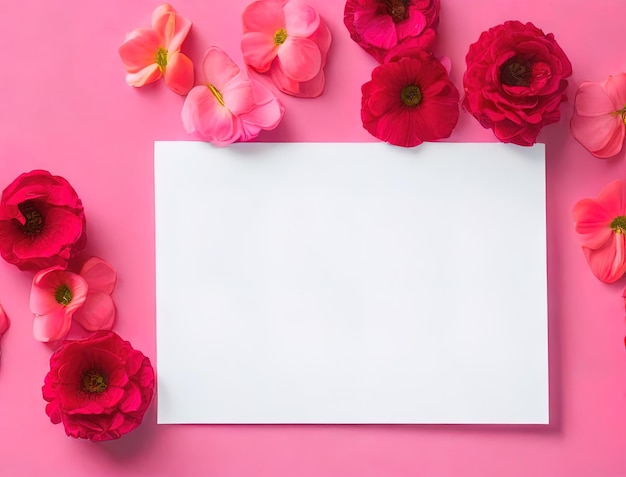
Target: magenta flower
{"x": 379, "y": 25}
{"x": 599, "y": 119}
{"x": 227, "y": 106}
{"x": 42, "y": 221}
{"x": 148, "y": 54}
{"x": 58, "y": 295}
{"x": 289, "y": 38}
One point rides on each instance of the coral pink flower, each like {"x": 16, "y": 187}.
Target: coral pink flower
{"x": 42, "y": 222}
{"x": 410, "y": 100}
{"x": 5, "y": 323}
{"x": 58, "y": 295}
{"x": 227, "y": 106}
{"x": 599, "y": 119}
{"x": 601, "y": 224}
{"x": 289, "y": 38}
{"x": 99, "y": 387}
{"x": 148, "y": 54}
{"x": 379, "y": 25}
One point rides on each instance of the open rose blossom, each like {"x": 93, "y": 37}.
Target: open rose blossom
{"x": 599, "y": 119}
{"x": 98, "y": 387}
{"x": 410, "y": 100}
{"x": 289, "y": 40}
{"x": 58, "y": 296}
{"x": 515, "y": 81}
{"x": 149, "y": 53}
{"x": 379, "y": 25}
{"x": 601, "y": 224}
{"x": 227, "y": 106}
{"x": 42, "y": 222}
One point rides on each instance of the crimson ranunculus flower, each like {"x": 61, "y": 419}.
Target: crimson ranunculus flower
{"x": 410, "y": 100}
{"x": 379, "y": 25}
{"x": 515, "y": 81}
{"x": 99, "y": 387}
{"x": 42, "y": 222}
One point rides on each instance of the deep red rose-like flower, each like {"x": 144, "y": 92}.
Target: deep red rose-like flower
{"x": 410, "y": 100}
{"x": 515, "y": 81}
{"x": 379, "y": 25}
{"x": 42, "y": 222}
{"x": 99, "y": 387}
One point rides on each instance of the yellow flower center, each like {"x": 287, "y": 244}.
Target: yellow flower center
{"x": 33, "y": 219}
{"x": 63, "y": 295}
{"x": 217, "y": 94}
{"x": 280, "y": 36}
{"x": 624, "y": 116}
{"x": 619, "y": 224}
{"x": 161, "y": 58}
{"x": 411, "y": 95}
{"x": 94, "y": 381}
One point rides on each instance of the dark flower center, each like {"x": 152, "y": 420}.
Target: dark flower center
{"x": 33, "y": 224}
{"x": 398, "y": 9}
{"x": 411, "y": 95}
{"x": 94, "y": 381}
{"x": 63, "y": 295}
{"x": 516, "y": 72}
{"x": 619, "y": 224}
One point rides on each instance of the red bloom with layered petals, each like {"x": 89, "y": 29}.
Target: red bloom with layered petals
{"x": 42, "y": 222}
{"x": 99, "y": 387}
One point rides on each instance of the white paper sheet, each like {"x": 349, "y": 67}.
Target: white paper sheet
{"x": 351, "y": 283}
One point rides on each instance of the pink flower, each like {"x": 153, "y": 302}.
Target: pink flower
{"x": 379, "y": 25}
{"x": 410, "y": 100}
{"x": 99, "y": 387}
{"x": 42, "y": 222}
{"x": 599, "y": 119}
{"x": 148, "y": 54}
{"x": 601, "y": 224}
{"x": 288, "y": 39}
{"x": 5, "y": 323}
{"x": 58, "y": 295}
{"x": 227, "y": 106}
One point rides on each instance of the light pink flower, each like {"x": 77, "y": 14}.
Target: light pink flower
{"x": 599, "y": 119}
{"x": 59, "y": 295}
{"x": 289, "y": 39}
{"x": 149, "y": 53}
{"x": 227, "y": 106}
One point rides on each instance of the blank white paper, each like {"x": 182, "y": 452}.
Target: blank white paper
{"x": 351, "y": 283}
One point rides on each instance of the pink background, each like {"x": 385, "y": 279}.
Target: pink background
{"x": 64, "y": 107}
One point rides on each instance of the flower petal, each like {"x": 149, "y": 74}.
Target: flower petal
{"x": 143, "y": 77}
{"x": 172, "y": 27}
{"x": 615, "y": 87}
{"x": 300, "y": 58}
{"x": 259, "y": 50}
{"x": 267, "y": 113}
{"x": 300, "y": 19}
{"x": 204, "y": 116}
{"x": 139, "y": 49}
{"x": 52, "y": 326}
{"x": 263, "y": 17}
{"x": 97, "y": 313}
{"x": 179, "y": 73}
{"x": 99, "y": 275}
{"x": 608, "y": 264}
{"x": 592, "y": 100}
{"x": 218, "y": 68}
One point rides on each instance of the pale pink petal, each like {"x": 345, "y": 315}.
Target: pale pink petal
{"x": 267, "y": 114}
{"x": 171, "y": 26}
{"x": 97, "y": 313}
{"x": 139, "y": 50}
{"x": 238, "y": 95}
{"x": 322, "y": 39}
{"x": 300, "y": 19}
{"x": 179, "y": 73}
{"x": 263, "y": 17}
{"x": 203, "y": 115}
{"x": 259, "y": 50}
{"x": 615, "y": 87}
{"x": 99, "y": 275}
{"x": 613, "y": 145}
{"x": 603, "y": 136}
{"x": 217, "y": 68}
{"x": 52, "y": 326}
{"x": 592, "y": 100}
{"x": 4, "y": 322}
{"x": 300, "y": 58}
{"x": 305, "y": 89}
{"x": 46, "y": 283}
{"x": 143, "y": 77}
{"x": 608, "y": 264}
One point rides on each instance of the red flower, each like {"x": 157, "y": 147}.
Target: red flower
{"x": 99, "y": 387}
{"x": 379, "y": 25}
{"x": 515, "y": 81}
{"x": 410, "y": 100}
{"x": 42, "y": 222}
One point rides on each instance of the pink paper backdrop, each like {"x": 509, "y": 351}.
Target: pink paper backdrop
{"x": 64, "y": 107}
